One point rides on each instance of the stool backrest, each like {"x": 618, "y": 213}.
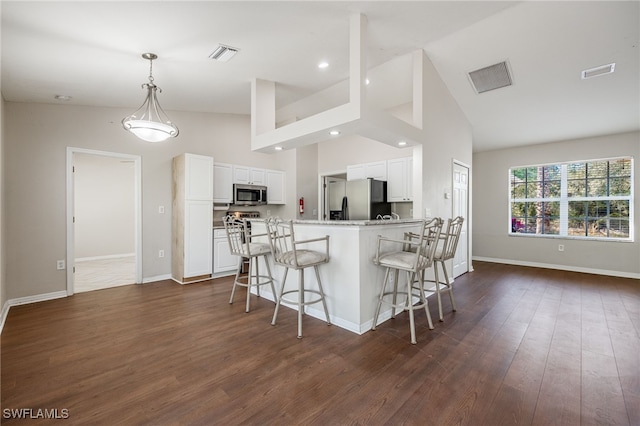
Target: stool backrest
{"x": 237, "y": 235}
{"x": 281, "y": 239}
{"x": 431, "y": 230}
{"x": 451, "y": 236}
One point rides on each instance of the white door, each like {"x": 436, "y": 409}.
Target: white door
{"x": 461, "y": 208}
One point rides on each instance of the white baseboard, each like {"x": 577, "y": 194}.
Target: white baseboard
{"x": 26, "y": 300}
{"x": 156, "y": 278}
{"x": 559, "y": 267}
{"x": 106, "y": 257}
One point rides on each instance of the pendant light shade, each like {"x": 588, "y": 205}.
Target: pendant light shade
{"x": 150, "y": 123}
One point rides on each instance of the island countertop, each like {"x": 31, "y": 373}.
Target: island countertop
{"x": 351, "y": 222}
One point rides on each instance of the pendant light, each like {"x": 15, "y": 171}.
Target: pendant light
{"x": 150, "y": 122}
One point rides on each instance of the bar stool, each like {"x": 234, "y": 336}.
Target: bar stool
{"x": 241, "y": 245}
{"x": 287, "y": 253}
{"x": 445, "y": 252}
{"x": 413, "y": 262}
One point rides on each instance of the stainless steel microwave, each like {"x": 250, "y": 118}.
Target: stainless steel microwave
{"x": 249, "y": 195}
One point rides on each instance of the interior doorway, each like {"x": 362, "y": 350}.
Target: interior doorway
{"x": 103, "y": 220}
{"x": 461, "y": 208}
{"x": 326, "y": 198}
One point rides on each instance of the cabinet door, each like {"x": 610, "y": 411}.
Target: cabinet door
{"x": 258, "y": 177}
{"x": 198, "y": 177}
{"x": 223, "y": 260}
{"x": 197, "y": 238}
{"x": 399, "y": 179}
{"x": 275, "y": 187}
{"x": 355, "y": 172}
{"x": 248, "y": 175}
{"x": 377, "y": 170}
{"x": 222, "y": 183}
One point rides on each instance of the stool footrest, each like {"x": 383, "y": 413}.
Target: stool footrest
{"x": 295, "y": 302}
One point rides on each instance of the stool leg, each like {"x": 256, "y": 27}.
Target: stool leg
{"x": 300, "y": 301}
{"x": 384, "y": 284}
{"x": 425, "y": 301}
{"x": 250, "y": 274}
{"x": 396, "y": 275}
{"x": 275, "y": 312}
{"x": 257, "y": 275}
{"x": 435, "y": 269}
{"x": 235, "y": 281}
{"x": 412, "y": 324}
{"x": 450, "y": 286}
{"x": 273, "y": 289}
{"x": 324, "y": 303}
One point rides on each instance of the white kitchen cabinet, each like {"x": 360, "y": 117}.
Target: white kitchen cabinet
{"x": 400, "y": 179}
{"x": 249, "y": 175}
{"x": 376, "y": 170}
{"x": 223, "y": 260}
{"x": 222, "y": 183}
{"x": 275, "y": 187}
{"x": 192, "y": 218}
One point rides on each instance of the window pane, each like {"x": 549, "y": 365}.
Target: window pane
{"x": 518, "y": 190}
{"x": 620, "y": 168}
{"x": 534, "y": 190}
{"x": 552, "y": 189}
{"x": 597, "y": 187}
{"x": 597, "y": 169}
{"x": 620, "y": 186}
{"x": 552, "y": 172}
{"x": 576, "y": 188}
{"x": 576, "y": 171}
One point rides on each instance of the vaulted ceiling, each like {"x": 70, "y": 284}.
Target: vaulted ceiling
{"x": 91, "y": 52}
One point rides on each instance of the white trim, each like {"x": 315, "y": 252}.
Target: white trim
{"x": 137, "y": 159}
{"x": 106, "y": 257}
{"x": 156, "y": 278}
{"x": 27, "y": 300}
{"x": 560, "y": 267}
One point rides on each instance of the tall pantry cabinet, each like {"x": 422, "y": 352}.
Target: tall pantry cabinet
{"x": 192, "y": 229}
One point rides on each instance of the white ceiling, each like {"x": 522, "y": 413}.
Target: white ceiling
{"x": 91, "y": 51}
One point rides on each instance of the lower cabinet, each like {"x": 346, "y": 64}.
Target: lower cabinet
{"x": 223, "y": 260}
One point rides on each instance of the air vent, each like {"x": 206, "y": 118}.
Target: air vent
{"x": 491, "y": 78}
{"x": 601, "y": 70}
{"x": 223, "y": 53}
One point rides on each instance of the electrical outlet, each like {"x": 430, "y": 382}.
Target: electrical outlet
{"x": 427, "y": 212}
{"x": 60, "y": 265}
{"x": 161, "y": 209}
{"x": 560, "y": 247}
{"x": 161, "y": 253}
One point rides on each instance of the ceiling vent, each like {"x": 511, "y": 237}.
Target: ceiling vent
{"x": 223, "y": 53}
{"x": 491, "y": 78}
{"x": 601, "y": 70}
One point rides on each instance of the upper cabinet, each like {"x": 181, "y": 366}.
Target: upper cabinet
{"x": 249, "y": 175}
{"x": 222, "y": 183}
{"x": 198, "y": 174}
{"x": 376, "y": 170}
{"x": 275, "y": 187}
{"x": 400, "y": 179}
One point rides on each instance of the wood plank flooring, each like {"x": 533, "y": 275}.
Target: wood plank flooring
{"x": 527, "y": 347}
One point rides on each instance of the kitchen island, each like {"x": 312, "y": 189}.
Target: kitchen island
{"x": 351, "y": 281}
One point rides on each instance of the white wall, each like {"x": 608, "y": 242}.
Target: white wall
{"x": 491, "y": 209}
{"x": 35, "y": 142}
{"x": 104, "y": 205}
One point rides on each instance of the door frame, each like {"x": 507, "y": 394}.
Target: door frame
{"x": 468, "y": 219}
{"x": 137, "y": 160}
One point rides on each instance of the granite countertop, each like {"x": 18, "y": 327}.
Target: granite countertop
{"x": 357, "y": 222}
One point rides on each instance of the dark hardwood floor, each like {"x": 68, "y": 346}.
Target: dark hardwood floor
{"x": 526, "y": 347}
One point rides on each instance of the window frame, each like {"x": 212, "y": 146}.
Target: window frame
{"x": 564, "y": 199}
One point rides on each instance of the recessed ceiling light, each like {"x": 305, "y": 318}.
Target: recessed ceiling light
{"x": 367, "y": 82}
{"x": 323, "y": 65}
{"x": 223, "y": 53}
{"x": 601, "y": 70}
{"x": 334, "y": 132}
{"x": 402, "y": 143}
{"x": 278, "y": 148}
{"x": 62, "y": 97}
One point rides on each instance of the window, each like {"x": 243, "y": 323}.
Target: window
{"x": 588, "y": 199}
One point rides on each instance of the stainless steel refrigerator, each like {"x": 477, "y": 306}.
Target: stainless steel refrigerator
{"x": 358, "y": 199}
